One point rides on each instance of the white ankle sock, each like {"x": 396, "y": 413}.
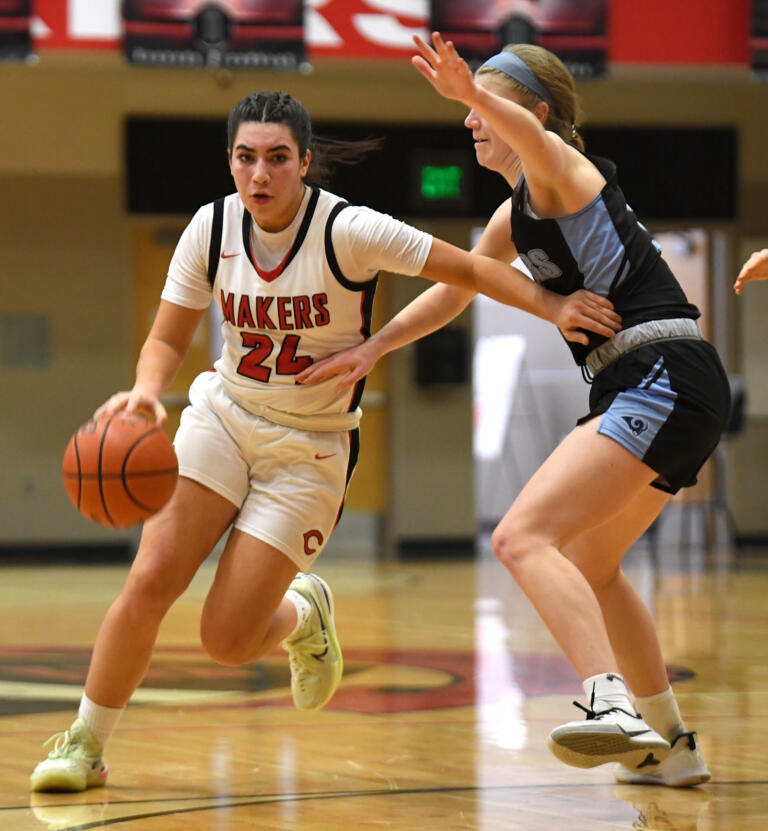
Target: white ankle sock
{"x": 660, "y": 711}
{"x": 303, "y": 611}
{"x": 610, "y": 690}
{"x": 101, "y": 721}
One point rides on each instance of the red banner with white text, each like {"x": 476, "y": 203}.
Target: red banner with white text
{"x": 344, "y": 28}
{"x": 651, "y": 31}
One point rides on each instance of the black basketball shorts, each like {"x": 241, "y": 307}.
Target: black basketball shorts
{"x": 668, "y": 403}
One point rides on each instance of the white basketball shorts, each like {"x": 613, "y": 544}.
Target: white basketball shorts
{"x": 288, "y": 484}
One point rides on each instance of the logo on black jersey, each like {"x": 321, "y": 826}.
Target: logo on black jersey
{"x": 541, "y": 267}
{"x": 636, "y": 425}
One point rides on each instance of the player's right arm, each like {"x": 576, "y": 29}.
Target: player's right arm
{"x": 431, "y": 310}
{"x": 186, "y": 297}
{"x": 161, "y": 356}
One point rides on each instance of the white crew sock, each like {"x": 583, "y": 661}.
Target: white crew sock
{"x": 303, "y": 611}
{"x": 661, "y": 712}
{"x": 101, "y": 721}
{"x": 609, "y": 691}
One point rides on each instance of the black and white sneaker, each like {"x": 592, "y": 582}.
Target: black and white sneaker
{"x": 683, "y": 768}
{"x": 610, "y": 735}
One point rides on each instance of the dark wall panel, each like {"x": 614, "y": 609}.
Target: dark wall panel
{"x": 176, "y": 165}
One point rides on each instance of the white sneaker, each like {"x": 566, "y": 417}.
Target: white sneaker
{"x": 683, "y": 767}
{"x": 314, "y": 653}
{"x": 612, "y": 735}
{"x": 74, "y": 764}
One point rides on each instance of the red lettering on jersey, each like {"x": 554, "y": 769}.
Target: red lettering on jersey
{"x": 301, "y": 307}
{"x": 228, "y": 307}
{"x": 244, "y": 314}
{"x": 284, "y": 313}
{"x": 288, "y": 363}
{"x": 262, "y": 313}
{"x": 310, "y": 537}
{"x": 323, "y": 317}
{"x": 260, "y": 347}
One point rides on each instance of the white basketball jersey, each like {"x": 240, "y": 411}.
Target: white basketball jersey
{"x": 278, "y": 322}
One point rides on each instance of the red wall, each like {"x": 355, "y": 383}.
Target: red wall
{"x": 679, "y": 31}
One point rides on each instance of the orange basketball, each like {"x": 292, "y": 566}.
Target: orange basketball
{"x": 119, "y": 470}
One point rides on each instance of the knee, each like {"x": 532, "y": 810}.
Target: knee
{"x": 152, "y": 588}
{"x": 512, "y": 545}
{"x": 225, "y": 645}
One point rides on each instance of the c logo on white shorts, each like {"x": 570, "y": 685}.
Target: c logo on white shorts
{"x": 308, "y": 538}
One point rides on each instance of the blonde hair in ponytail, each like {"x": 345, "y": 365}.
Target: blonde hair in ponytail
{"x": 566, "y": 116}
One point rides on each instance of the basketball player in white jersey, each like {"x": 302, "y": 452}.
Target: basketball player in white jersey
{"x": 293, "y": 269}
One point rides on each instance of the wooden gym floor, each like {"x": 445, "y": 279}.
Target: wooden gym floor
{"x": 451, "y": 686}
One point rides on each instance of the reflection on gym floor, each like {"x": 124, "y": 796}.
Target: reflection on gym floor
{"x": 451, "y": 686}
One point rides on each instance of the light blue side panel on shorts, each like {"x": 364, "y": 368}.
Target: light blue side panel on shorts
{"x": 636, "y": 415}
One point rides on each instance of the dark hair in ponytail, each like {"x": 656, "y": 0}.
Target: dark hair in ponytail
{"x": 328, "y": 152}
{"x": 280, "y": 108}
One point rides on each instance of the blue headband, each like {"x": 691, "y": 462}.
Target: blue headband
{"x": 518, "y": 70}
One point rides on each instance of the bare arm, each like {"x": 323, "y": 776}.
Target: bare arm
{"x": 542, "y": 153}
{"x": 431, "y": 310}
{"x": 161, "y": 356}
{"x": 440, "y": 304}
{"x": 467, "y": 273}
{"x": 428, "y": 312}
{"x": 561, "y": 180}
{"x": 755, "y": 268}
{"x": 570, "y": 313}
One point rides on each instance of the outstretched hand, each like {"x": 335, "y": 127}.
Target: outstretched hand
{"x": 445, "y": 69}
{"x": 351, "y": 365}
{"x": 755, "y": 268}
{"x": 585, "y": 310}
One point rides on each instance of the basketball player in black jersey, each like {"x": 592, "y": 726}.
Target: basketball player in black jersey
{"x": 659, "y": 401}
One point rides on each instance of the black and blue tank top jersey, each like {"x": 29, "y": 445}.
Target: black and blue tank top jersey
{"x": 603, "y": 248}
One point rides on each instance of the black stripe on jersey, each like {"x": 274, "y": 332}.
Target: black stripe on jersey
{"x": 366, "y": 301}
{"x": 357, "y": 396}
{"x": 330, "y": 254}
{"x": 366, "y": 307}
{"x": 302, "y": 232}
{"x": 214, "y": 249}
{"x": 354, "y": 452}
{"x": 366, "y": 310}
